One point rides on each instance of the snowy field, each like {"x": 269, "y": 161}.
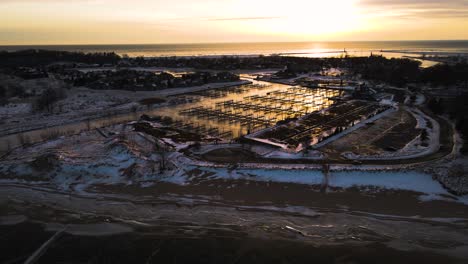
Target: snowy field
{"x": 387, "y": 180}
{"x": 82, "y": 104}
{"x": 130, "y": 160}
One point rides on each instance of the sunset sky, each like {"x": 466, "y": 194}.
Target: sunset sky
{"x": 195, "y": 21}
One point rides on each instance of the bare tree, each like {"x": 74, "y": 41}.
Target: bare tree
{"x": 305, "y": 145}
{"x": 8, "y": 146}
{"x": 88, "y": 124}
{"x": 162, "y": 151}
{"x": 424, "y": 135}
{"x": 47, "y": 99}
{"x": 326, "y": 174}
{"x": 163, "y": 161}
{"x": 3, "y": 95}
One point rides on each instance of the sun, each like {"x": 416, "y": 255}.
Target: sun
{"x": 324, "y": 17}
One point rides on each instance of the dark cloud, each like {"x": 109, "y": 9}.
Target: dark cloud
{"x": 417, "y": 3}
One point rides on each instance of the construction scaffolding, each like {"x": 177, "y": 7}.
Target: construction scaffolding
{"x": 201, "y": 129}
{"x": 221, "y": 115}
{"x": 236, "y": 111}
{"x": 319, "y": 126}
{"x": 223, "y": 92}
{"x": 256, "y": 112}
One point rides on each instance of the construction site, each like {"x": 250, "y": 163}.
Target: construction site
{"x": 329, "y": 122}
{"x": 236, "y": 112}
{"x": 317, "y": 127}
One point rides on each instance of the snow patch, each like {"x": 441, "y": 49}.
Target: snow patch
{"x": 409, "y": 181}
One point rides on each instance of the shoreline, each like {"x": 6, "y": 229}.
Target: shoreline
{"x": 310, "y": 216}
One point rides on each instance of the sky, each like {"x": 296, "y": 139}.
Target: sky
{"x": 32, "y": 22}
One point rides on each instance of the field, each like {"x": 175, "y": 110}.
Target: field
{"x": 392, "y": 132}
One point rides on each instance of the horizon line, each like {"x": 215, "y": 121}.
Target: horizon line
{"x": 242, "y": 42}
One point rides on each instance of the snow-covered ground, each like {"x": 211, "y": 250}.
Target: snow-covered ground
{"x": 265, "y": 151}
{"x": 15, "y": 109}
{"x": 82, "y": 104}
{"x": 392, "y": 180}
{"x": 79, "y": 162}
{"x": 76, "y": 162}
{"x": 278, "y": 154}
{"x": 452, "y": 173}
{"x": 176, "y": 91}
{"x": 420, "y": 99}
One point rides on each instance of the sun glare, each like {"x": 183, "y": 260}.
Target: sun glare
{"x": 305, "y": 18}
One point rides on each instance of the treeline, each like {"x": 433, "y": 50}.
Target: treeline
{"x": 397, "y": 72}
{"x": 41, "y": 58}
{"x": 133, "y": 80}
{"x": 443, "y": 74}
{"x": 233, "y": 62}
{"x": 374, "y": 67}
{"x": 457, "y": 109}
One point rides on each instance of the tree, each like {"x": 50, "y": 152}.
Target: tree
{"x": 424, "y": 135}
{"x": 3, "y": 98}
{"x": 47, "y": 99}
{"x": 435, "y": 105}
{"x": 162, "y": 163}
{"x": 2, "y": 91}
{"x": 17, "y": 91}
{"x": 162, "y": 151}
